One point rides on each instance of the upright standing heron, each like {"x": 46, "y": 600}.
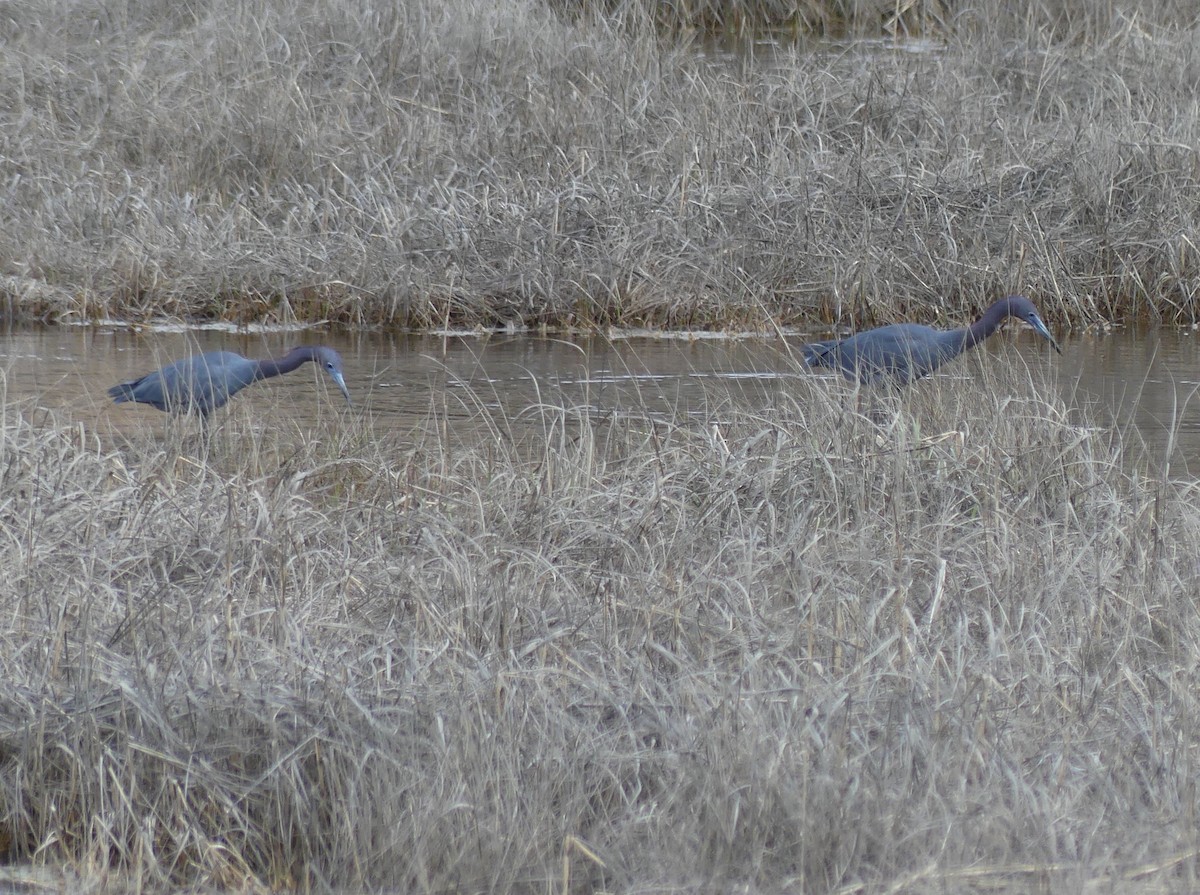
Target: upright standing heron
{"x": 902, "y": 352}
{"x": 204, "y": 382}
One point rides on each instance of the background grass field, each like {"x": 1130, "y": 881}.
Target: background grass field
{"x": 522, "y": 164}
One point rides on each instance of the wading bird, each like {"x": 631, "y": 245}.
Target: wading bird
{"x": 903, "y": 352}
{"x": 204, "y": 382}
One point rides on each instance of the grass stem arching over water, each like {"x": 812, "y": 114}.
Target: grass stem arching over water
{"x": 799, "y": 649}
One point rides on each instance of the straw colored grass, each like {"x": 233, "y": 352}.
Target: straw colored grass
{"x": 465, "y": 163}
{"x": 842, "y": 644}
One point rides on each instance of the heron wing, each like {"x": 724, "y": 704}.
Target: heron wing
{"x": 201, "y": 382}
{"x": 901, "y": 352}
{"x": 822, "y": 354}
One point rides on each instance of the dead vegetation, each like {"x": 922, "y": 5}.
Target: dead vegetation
{"x": 946, "y": 642}
{"x": 472, "y": 164}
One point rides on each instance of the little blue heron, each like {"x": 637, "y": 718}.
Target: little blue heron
{"x": 903, "y": 352}
{"x": 204, "y": 382}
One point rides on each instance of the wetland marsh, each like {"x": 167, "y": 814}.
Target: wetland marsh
{"x": 781, "y": 642}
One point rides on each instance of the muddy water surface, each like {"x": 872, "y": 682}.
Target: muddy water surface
{"x": 1144, "y": 379}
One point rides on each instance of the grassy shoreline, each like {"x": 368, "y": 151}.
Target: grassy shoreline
{"x": 805, "y": 648}
{"x": 466, "y": 164}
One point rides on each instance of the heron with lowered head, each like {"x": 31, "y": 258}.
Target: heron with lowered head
{"x": 204, "y": 382}
{"x": 902, "y": 352}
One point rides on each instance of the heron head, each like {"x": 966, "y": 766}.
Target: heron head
{"x": 1021, "y": 307}
{"x": 331, "y": 363}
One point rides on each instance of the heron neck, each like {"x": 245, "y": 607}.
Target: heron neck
{"x": 984, "y": 326}
{"x": 277, "y": 366}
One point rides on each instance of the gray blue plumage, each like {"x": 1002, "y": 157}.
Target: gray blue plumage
{"x": 204, "y": 382}
{"x": 902, "y": 352}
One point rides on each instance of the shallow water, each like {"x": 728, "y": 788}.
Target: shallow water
{"x": 1144, "y": 379}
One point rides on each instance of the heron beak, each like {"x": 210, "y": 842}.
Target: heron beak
{"x": 1040, "y": 328}
{"x": 341, "y": 384}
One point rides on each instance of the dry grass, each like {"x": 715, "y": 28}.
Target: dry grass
{"x": 1064, "y": 19}
{"x": 496, "y": 164}
{"x": 946, "y": 643}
